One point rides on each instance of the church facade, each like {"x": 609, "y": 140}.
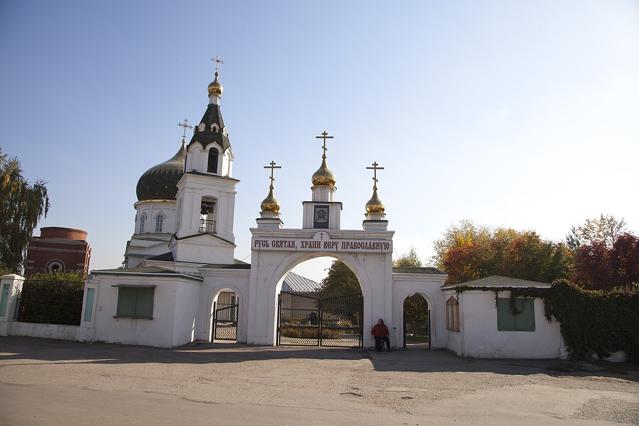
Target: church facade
{"x": 180, "y": 260}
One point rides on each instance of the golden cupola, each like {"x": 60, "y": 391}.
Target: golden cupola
{"x": 270, "y": 203}
{"x": 215, "y": 87}
{"x": 375, "y": 205}
{"x": 323, "y": 176}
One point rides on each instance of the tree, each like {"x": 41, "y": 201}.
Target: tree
{"x": 605, "y": 228}
{"x": 408, "y": 260}
{"x": 340, "y": 281}
{"x": 599, "y": 267}
{"x": 467, "y": 252}
{"x": 21, "y": 207}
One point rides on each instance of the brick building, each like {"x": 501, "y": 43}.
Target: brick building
{"x": 58, "y": 250}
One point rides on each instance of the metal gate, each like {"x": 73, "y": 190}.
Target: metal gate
{"x": 225, "y": 322}
{"x": 306, "y": 319}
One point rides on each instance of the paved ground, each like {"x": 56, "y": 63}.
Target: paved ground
{"x": 44, "y": 382}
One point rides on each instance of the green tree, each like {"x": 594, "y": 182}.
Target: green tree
{"x": 21, "y": 206}
{"x": 410, "y": 259}
{"x": 605, "y": 229}
{"x": 340, "y": 281}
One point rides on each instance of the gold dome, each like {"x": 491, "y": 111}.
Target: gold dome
{"x": 323, "y": 176}
{"x": 215, "y": 88}
{"x": 270, "y": 203}
{"x": 375, "y": 205}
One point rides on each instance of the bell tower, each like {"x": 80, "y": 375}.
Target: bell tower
{"x": 206, "y": 191}
{"x": 322, "y": 212}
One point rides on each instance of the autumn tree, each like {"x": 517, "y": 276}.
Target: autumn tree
{"x": 468, "y": 252}
{"x": 600, "y": 267}
{"x": 408, "y": 260}
{"x": 21, "y": 206}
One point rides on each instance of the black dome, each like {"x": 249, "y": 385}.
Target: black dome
{"x": 160, "y": 182}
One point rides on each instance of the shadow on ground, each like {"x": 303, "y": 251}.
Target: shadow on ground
{"x": 32, "y": 351}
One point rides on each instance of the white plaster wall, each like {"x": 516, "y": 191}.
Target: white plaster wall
{"x": 216, "y": 280}
{"x": 429, "y": 286}
{"x": 203, "y": 249}
{"x": 47, "y": 331}
{"x": 186, "y": 304}
{"x": 198, "y": 158}
{"x": 161, "y": 330}
{"x": 168, "y": 208}
{"x": 480, "y": 338}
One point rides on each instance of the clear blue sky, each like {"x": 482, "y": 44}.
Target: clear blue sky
{"x": 520, "y": 114}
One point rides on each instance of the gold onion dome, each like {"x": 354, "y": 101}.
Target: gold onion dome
{"x": 375, "y": 205}
{"x": 270, "y": 203}
{"x": 323, "y": 176}
{"x": 215, "y": 88}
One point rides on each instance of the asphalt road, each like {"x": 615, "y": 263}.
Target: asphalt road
{"x": 45, "y": 382}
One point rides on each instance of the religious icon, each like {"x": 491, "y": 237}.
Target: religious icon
{"x": 320, "y": 217}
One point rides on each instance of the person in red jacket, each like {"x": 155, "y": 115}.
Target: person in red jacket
{"x": 380, "y": 333}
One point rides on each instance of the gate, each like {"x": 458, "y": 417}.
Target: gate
{"x": 306, "y": 319}
{"x": 225, "y": 322}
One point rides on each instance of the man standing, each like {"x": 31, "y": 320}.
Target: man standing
{"x": 380, "y": 333}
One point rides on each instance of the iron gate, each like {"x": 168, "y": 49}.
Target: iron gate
{"x": 306, "y": 319}
{"x": 225, "y": 322}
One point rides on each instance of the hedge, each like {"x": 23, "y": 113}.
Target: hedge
{"x": 51, "y": 302}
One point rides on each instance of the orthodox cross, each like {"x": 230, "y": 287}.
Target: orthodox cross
{"x": 272, "y": 166}
{"x": 375, "y": 167}
{"x": 185, "y": 125}
{"x": 324, "y": 136}
{"x": 217, "y": 61}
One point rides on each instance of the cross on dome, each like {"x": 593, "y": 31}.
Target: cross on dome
{"x": 272, "y": 165}
{"x": 375, "y": 167}
{"x": 185, "y": 125}
{"x": 324, "y": 136}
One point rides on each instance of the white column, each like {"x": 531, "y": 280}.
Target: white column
{"x": 10, "y": 287}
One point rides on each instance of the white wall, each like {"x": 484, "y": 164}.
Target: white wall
{"x": 49, "y": 331}
{"x": 172, "y": 316}
{"x": 480, "y": 338}
{"x": 429, "y": 286}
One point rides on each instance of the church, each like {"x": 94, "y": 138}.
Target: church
{"x": 181, "y": 283}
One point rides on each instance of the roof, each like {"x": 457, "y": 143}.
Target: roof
{"x": 299, "y": 284}
{"x": 160, "y": 181}
{"x": 417, "y": 270}
{"x": 212, "y": 115}
{"x": 497, "y": 281}
{"x": 144, "y": 270}
{"x": 237, "y": 264}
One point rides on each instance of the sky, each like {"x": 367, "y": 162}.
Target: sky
{"x": 516, "y": 114}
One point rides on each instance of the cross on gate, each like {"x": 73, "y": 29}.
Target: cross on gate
{"x": 272, "y": 165}
{"x": 375, "y": 167}
{"x": 324, "y": 136}
{"x": 185, "y": 125}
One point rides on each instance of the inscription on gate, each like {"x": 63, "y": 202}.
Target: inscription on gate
{"x": 341, "y": 245}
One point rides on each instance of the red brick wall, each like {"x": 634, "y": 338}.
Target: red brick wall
{"x": 61, "y": 245}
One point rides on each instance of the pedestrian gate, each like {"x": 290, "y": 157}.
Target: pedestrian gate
{"x": 225, "y": 322}
{"x": 307, "y": 319}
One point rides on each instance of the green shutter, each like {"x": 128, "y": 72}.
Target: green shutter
{"x": 126, "y": 301}
{"x": 4, "y": 299}
{"x": 525, "y": 321}
{"x": 144, "y": 308}
{"x": 88, "y": 305}
{"x": 505, "y": 317}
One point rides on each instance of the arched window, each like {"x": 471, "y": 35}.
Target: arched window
{"x": 159, "y": 221}
{"x": 452, "y": 314}
{"x": 142, "y": 222}
{"x": 213, "y": 156}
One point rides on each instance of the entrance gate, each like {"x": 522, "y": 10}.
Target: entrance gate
{"x": 225, "y": 322}
{"x": 306, "y": 319}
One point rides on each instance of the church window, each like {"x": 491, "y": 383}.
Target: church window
{"x": 452, "y": 314}
{"x": 135, "y": 302}
{"x": 159, "y": 222}
{"x": 207, "y": 216}
{"x": 142, "y": 222}
{"x": 522, "y": 320}
{"x": 55, "y": 266}
{"x": 213, "y": 157}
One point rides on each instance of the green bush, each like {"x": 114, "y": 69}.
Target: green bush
{"x": 51, "y": 302}
{"x": 308, "y": 333}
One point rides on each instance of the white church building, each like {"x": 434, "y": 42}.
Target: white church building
{"x": 181, "y": 283}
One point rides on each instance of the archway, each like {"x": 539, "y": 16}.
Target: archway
{"x": 416, "y": 322}
{"x": 320, "y": 307}
{"x": 225, "y": 316}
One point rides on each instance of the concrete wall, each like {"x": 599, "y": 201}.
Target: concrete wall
{"x": 429, "y": 286}
{"x": 50, "y": 331}
{"x": 479, "y": 337}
